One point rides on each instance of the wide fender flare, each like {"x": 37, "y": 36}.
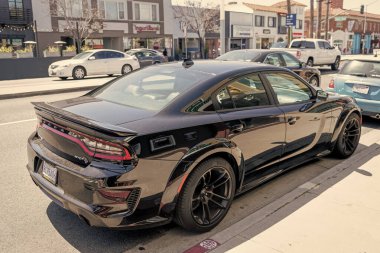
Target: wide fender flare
{"x": 200, "y": 152}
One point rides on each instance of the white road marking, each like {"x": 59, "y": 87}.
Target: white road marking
{"x": 16, "y": 122}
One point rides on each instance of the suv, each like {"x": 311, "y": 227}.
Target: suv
{"x": 314, "y": 52}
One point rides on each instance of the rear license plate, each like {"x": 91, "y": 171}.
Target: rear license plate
{"x": 359, "y": 88}
{"x": 49, "y": 173}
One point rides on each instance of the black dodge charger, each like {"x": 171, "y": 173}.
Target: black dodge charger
{"x": 180, "y": 141}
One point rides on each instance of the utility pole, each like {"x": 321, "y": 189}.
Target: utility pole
{"x": 36, "y": 38}
{"x": 311, "y": 28}
{"x": 319, "y": 19}
{"x": 327, "y": 19}
{"x": 222, "y": 28}
{"x": 289, "y": 27}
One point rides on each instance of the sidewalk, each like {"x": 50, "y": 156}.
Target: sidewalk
{"x": 48, "y": 85}
{"x": 338, "y": 211}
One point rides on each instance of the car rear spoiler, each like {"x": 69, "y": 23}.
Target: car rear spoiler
{"x": 42, "y": 108}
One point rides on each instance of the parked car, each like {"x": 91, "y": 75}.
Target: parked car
{"x": 94, "y": 62}
{"x": 360, "y": 79}
{"x": 315, "y": 52}
{"x": 178, "y": 141}
{"x": 147, "y": 56}
{"x": 276, "y": 58}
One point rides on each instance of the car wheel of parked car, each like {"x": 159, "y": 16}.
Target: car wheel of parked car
{"x": 310, "y": 62}
{"x": 348, "y": 138}
{"x": 206, "y": 196}
{"x": 79, "y": 73}
{"x": 156, "y": 62}
{"x": 63, "y": 78}
{"x": 335, "y": 65}
{"x": 126, "y": 69}
{"x": 314, "y": 81}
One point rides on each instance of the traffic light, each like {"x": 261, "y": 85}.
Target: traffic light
{"x": 362, "y": 9}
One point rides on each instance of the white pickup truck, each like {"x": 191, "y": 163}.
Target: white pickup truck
{"x": 314, "y": 52}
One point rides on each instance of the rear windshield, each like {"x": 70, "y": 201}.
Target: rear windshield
{"x": 303, "y": 44}
{"x": 240, "y": 55}
{"x": 361, "y": 68}
{"x": 151, "y": 88}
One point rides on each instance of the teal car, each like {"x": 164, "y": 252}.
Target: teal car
{"x": 360, "y": 79}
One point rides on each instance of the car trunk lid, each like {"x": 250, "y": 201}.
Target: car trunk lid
{"x": 358, "y": 87}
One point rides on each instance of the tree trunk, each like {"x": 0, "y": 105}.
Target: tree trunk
{"x": 327, "y": 19}
{"x": 201, "y": 47}
{"x": 288, "y": 3}
{"x": 311, "y": 29}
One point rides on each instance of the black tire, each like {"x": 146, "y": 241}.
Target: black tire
{"x": 206, "y": 196}
{"x": 314, "y": 81}
{"x": 310, "y": 62}
{"x": 126, "y": 69}
{"x": 335, "y": 65}
{"x": 63, "y": 77}
{"x": 79, "y": 73}
{"x": 348, "y": 138}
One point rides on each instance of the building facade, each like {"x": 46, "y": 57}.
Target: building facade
{"x": 16, "y": 22}
{"x": 124, "y": 24}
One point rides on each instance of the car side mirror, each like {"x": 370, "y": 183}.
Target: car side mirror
{"x": 91, "y": 58}
{"x": 322, "y": 95}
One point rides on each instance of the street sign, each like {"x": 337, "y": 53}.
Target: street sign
{"x": 291, "y": 19}
{"x": 340, "y": 18}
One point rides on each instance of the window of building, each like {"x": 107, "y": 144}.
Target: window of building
{"x": 145, "y": 11}
{"x": 259, "y": 21}
{"x": 113, "y": 10}
{"x": 15, "y": 9}
{"x": 299, "y": 24}
{"x": 271, "y": 22}
{"x": 73, "y": 8}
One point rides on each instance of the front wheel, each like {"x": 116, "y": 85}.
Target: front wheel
{"x": 314, "y": 81}
{"x": 79, "y": 73}
{"x": 206, "y": 196}
{"x": 348, "y": 138}
{"x": 335, "y": 65}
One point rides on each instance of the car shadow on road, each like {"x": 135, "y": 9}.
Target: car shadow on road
{"x": 93, "y": 239}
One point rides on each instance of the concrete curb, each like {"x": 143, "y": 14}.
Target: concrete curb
{"x": 46, "y": 92}
{"x": 254, "y": 223}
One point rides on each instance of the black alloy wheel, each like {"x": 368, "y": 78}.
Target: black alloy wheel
{"x": 348, "y": 139}
{"x": 314, "y": 81}
{"x": 207, "y": 196}
{"x": 335, "y": 65}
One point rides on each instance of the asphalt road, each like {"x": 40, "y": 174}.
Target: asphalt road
{"x": 32, "y": 222}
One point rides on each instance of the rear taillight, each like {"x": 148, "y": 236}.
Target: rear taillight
{"x": 116, "y": 195}
{"x": 94, "y": 147}
{"x": 331, "y": 84}
{"x": 298, "y": 54}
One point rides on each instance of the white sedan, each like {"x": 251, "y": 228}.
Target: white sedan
{"x": 94, "y": 62}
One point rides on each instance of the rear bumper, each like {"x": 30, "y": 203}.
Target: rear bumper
{"x": 369, "y": 107}
{"x": 80, "y": 193}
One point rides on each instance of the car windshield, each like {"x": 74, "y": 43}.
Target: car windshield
{"x": 240, "y": 55}
{"x": 151, "y": 88}
{"x": 361, "y": 68}
{"x": 82, "y": 55}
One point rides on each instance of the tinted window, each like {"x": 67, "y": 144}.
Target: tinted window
{"x": 288, "y": 89}
{"x": 310, "y": 44}
{"x": 112, "y": 54}
{"x": 273, "y": 59}
{"x": 151, "y": 88}
{"x": 327, "y": 45}
{"x": 247, "y": 91}
{"x": 361, "y": 68}
{"x": 290, "y": 60}
{"x": 239, "y": 55}
{"x": 321, "y": 44}
{"x": 100, "y": 55}
{"x": 296, "y": 44}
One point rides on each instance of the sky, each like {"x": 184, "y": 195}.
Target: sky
{"x": 373, "y": 7}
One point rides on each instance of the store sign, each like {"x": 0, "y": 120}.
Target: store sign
{"x": 138, "y": 28}
{"x": 340, "y": 18}
{"x": 297, "y": 34}
{"x": 240, "y": 31}
{"x": 291, "y": 19}
{"x": 266, "y": 31}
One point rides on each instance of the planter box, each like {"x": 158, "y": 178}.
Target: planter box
{"x": 51, "y": 54}
{"x": 6, "y": 55}
{"x": 69, "y": 53}
{"x": 25, "y": 55}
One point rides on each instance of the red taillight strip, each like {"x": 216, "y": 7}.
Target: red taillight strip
{"x": 84, "y": 147}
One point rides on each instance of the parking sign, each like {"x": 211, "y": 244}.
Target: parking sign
{"x": 291, "y": 19}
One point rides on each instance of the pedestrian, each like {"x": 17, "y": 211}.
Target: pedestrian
{"x": 165, "y": 53}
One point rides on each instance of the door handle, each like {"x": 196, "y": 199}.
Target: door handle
{"x": 292, "y": 120}
{"x": 237, "y": 128}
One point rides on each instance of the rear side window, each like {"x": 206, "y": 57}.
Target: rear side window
{"x": 296, "y": 44}
{"x": 310, "y": 44}
{"x": 112, "y": 54}
{"x": 247, "y": 91}
{"x": 288, "y": 89}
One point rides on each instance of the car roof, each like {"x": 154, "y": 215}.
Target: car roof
{"x": 99, "y": 50}
{"x": 264, "y": 51}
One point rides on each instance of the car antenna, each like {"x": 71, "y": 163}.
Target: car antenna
{"x": 187, "y": 63}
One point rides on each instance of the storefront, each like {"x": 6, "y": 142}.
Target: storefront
{"x": 240, "y": 38}
{"x": 148, "y": 36}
